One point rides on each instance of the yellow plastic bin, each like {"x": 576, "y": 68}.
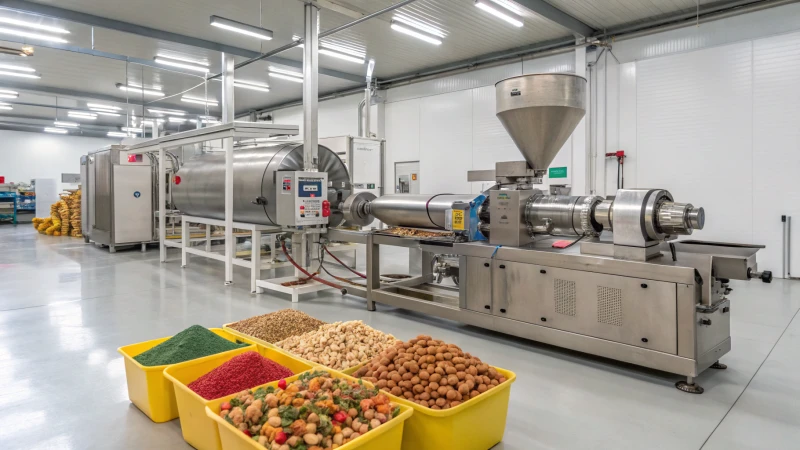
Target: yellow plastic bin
{"x": 348, "y": 371}
{"x": 148, "y": 389}
{"x": 386, "y": 437}
{"x": 197, "y": 428}
{"x": 477, "y": 424}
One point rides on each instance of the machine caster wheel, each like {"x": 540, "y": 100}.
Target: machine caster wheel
{"x": 719, "y": 366}
{"x": 692, "y": 388}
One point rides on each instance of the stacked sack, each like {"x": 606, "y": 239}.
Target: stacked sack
{"x": 63, "y": 214}
{"x": 75, "y": 214}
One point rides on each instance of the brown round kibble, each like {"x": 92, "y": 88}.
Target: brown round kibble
{"x": 463, "y": 389}
{"x": 482, "y": 388}
{"x": 423, "y": 403}
{"x": 448, "y": 356}
{"x": 440, "y": 402}
{"x": 391, "y": 384}
{"x": 461, "y": 375}
{"x": 453, "y": 404}
{"x": 431, "y": 350}
{"x": 494, "y": 383}
{"x": 407, "y": 394}
{"x": 396, "y": 377}
{"x": 439, "y": 356}
{"x": 439, "y": 370}
{"x": 415, "y": 380}
{"x": 423, "y": 374}
{"x": 418, "y": 389}
{"x": 381, "y": 384}
{"x": 452, "y": 394}
{"x": 407, "y": 376}
{"x": 425, "y": 396}
{"x": 450, "y": 370}
{"x": 460, "y": 367}
{"x": 396, "y": 391}
{"x": 435, "y": 378}
{"x": 473, "y": 394}
{"x": 442, "y": 390}
{"x": 434, "y": 394}
{"x": 452, "y": 380}
{"x": 435, "y": 407}
{"x": 434, "y": 386}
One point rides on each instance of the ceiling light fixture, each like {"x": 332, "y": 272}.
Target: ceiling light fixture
{"x": 286, "y": 77}
{"x": 180, "y": 65}
{"x": 201, "y": 101}
{"x": 82, "y": 115}
{"x": 251, "y": 85}
{"x": 105, "y": 107}
{"x": 17, "y": 68}
{"x": 6, "y": 107}
{"x": 56, "y": 130}
{"x": 417, "y": 34}
{"x": 131, "y": 130}
{"x": 60, "y": 123}
{"x": 340, "y": 55}
{"x": 117, "y": 134}
{"x": 28, "y": 34}
{"x": 20, "y": 75}
{"x": 176, "y": 120}
{"x": 239, "y": 27}
{"x": 153, "y": 92}
{"x": 5, "y": 93}
{"x": 183, "y": 59}
{"x": 35, "y": 26}
{"x": 419, "y": 25}
{"x": 497, "y": 13}
{"x": 172, "y": 112}
{"x": 105, "y": 113}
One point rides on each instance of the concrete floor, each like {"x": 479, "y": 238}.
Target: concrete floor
{"x": 65, "y": 307}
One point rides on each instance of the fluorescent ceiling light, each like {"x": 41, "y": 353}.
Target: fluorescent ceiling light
{"x": 417, "y": 34}
{"x": 207, "y": 121}
{"x": 18, "y": 74}
{"x": 105, "y": 113}
{"x": 5, "y": 93}
{"x": 497, "y": 13}
{"x": 183, "y": 59}
{"x": 176, "y": 120}
{"x": 286, "y": 77}
{"x": 28, "y": 34}
{"x": 340, "y": 55}
{"x": 153, "y": 92}
{"x": 56, "y": 130}
{"x": 201, "y": 101}
{"x": 239, "y": 27}
{"x": 82, "y": 115}
{"x": 358, "y": 53}
{"x": 511, "y": 6}
{"x": 60, "y": 123}
{"x": 132, "y": 130}
{"x": 180, "y": 65}
{"x": 18, "y": 68}
{"x": 173, "y": 112}
{"x": 251, "y": 85}
{"x": 284, "y": 71}
{"x": 418, "y": 24}
{"x": 150, "y": 121}
{"x": 106, "y": 107}
{"x": 35, "y": 26}
{"x": 6, "y": 107}
{"x": 117, "y": 134}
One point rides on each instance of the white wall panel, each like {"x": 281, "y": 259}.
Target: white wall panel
{"x": 564, "y": 62}
{"x": 627, "y": 137}
{"x": 741, "y": 28}
{"x": 695, "y": 134}
{"x": 445, "y": 143}
{"x": 24, "y": 156}
{"x": 459, "y": 82}
{"x": 402, "y": 137}
{"x": 337, "y": 117}
{"x": 776, "y": 146}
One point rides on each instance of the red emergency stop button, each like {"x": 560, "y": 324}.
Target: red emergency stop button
{"x": 177, "y": 179}
{"x": 326, "y": 208}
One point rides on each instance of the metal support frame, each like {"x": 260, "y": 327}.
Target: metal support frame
{"x": 228, "y": 114}
{"x": 557, "y": 16}
{"x": 311, "y": 88}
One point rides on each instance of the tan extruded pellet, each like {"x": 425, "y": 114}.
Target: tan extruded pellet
{"x": 277, "y": 326}
{"x": 339, "y": 345}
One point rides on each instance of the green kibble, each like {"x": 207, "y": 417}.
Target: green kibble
{"x": 191, "y": 343}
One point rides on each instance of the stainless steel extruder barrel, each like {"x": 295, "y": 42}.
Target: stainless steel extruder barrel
{"x": 199, "y": 187}
{"x": 413, "y": 210}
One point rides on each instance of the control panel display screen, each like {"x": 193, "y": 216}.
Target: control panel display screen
{"x": 309, "y": 188}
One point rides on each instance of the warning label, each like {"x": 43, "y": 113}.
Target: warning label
{"x": 458, "y": 220}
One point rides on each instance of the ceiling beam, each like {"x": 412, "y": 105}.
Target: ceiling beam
{"x": 139, "y": 30}
{"x": 555, "y": 15}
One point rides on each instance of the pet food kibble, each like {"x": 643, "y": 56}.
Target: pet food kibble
{"x": 441, "y": 375}
{"x": 241, "y": 372}
{"x": 277, "y": 326}
{"x": 339, "y": 345}
{"x": 191, "y": 343}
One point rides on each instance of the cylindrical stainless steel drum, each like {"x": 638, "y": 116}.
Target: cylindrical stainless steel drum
{"x": 201, "y": 190}
{"x": 415, "y": 210}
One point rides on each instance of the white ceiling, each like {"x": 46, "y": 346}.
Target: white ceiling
{"x": 70, "y": 78}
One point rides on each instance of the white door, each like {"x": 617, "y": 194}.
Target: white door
{"x": 406, "y": 177}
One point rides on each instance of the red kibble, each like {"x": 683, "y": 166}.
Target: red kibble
{"x": 340, "y": 416}
{"x": 280, "y": 437}
{"x": 247, "y": 432}
{"x": 242, "y": 372}
{"x": 282, "y": 384}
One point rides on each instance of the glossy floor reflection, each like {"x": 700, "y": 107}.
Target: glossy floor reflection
{"x": 65, "y": 307}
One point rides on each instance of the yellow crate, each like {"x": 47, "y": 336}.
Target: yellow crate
{"x": 197, "y": 428}
{"x": 348, "y": 371}
{"x": 148, "y": 389}
{"x": 477, "y": 424}
{"x": 386, "y": 437}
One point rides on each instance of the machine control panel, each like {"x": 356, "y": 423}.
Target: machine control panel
{"x": 302, "y": 198}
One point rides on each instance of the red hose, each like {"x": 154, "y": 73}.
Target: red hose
{"x": 343, "y": 264}
{"x": 313, "y": 277}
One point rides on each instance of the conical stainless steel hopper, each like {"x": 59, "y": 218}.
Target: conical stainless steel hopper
{"x": 540, "y": 112}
